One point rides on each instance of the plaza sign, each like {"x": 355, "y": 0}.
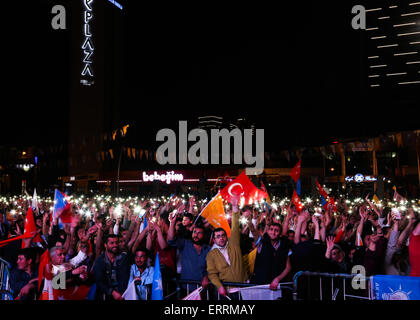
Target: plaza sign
{"x": 360, "y": 178}
{"x": 87, "y": 46}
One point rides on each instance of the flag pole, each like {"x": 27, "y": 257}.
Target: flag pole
{"x": 205, "y": 207}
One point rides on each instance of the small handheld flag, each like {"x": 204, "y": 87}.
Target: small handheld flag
{"x": 62, "y": 206}
{"x": 157, "y": 289}
{"x": 296, "y": 201}
{"x": 214, "y": 213}
{"x": 295, "y": 173}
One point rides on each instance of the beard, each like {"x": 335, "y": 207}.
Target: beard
{"x": 198, "y": 242}
{"x": 113, "y": 250}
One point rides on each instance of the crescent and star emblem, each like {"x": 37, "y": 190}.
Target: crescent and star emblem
{"x": 231, "y": 187}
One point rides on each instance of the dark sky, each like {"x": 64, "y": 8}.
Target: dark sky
{"x": 298, "y": 71}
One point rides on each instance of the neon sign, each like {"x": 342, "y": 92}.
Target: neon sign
{"x": 87, "y": 45}
{"x": 115, "y": 3}
{"x": 168, "y": 177}
{"x": 360, "y": 178}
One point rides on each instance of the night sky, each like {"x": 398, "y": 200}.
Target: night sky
{"x": 298, "y": 71}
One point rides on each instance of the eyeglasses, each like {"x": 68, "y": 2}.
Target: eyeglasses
{"x": 220, "y": 236}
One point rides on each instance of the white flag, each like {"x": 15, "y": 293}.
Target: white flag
{"x": 130, "y": 293}
{"x": 260, "y": 293}
{"x": 195, "y": 295}
{"x": 34, "y": 200}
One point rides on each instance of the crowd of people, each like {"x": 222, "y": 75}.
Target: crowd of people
{"x": 111, "y": 242}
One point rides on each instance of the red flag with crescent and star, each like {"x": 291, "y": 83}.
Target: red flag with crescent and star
{"x": 243, "y": 187}
{"x": 296, "y": 201}
{"x": 295, "y": 173}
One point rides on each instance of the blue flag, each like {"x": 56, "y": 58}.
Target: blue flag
{"x": 396, "y": 287}
{"x": 298, "y": 187}
{"x": 144, "y": 223}
{"x": 323, "y": 202}
{"x": 157, "y": 289}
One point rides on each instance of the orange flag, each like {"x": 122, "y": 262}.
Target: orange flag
{"x": 214, "y": 213}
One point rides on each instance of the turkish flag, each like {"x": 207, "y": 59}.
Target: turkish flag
{"x": 30, "y": 227}
{"x": 243, "y": 187}
{"x": 295, "y": 173}
{"x": 44, "y": 261}
{"x": 296, "y": 201}
{"x": 78, "y": 292}
{"x": 30, "y": 230}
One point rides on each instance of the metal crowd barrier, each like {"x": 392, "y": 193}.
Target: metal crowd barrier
{"x": 185, "y": 287}
{"x": 5, "y": 290}
{"x": 327, "y": 286}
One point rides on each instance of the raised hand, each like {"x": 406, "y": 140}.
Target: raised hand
{"x": 172, "y": 217}
{"x": 234, "y": 200}
{"x": 411, "y": 214}
{"x": 363, "y": 213}
{"x": 344, "y": 221}
{"x": 330, "y": 242}
{"x": 108, "y": 223}
{"x": 79, "y": 270}
{"x": 92, "y": 230}
{"x": 181, "y": 207}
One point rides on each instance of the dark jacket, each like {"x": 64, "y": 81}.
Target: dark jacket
{"x": 102, "y": 271}
{"x": 269, "y": 262}
{"x": 374, "y": 260}
{"x": 4, "y": 231}
{"x": 19, "y": 279}
{"x": 309, "y": 256}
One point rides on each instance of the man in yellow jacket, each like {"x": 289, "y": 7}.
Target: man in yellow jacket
{"x": 225, "y": 261}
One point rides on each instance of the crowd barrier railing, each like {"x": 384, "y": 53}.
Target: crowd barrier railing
{"x": 186, "y": 287}
{"x": 330, "y": 286}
